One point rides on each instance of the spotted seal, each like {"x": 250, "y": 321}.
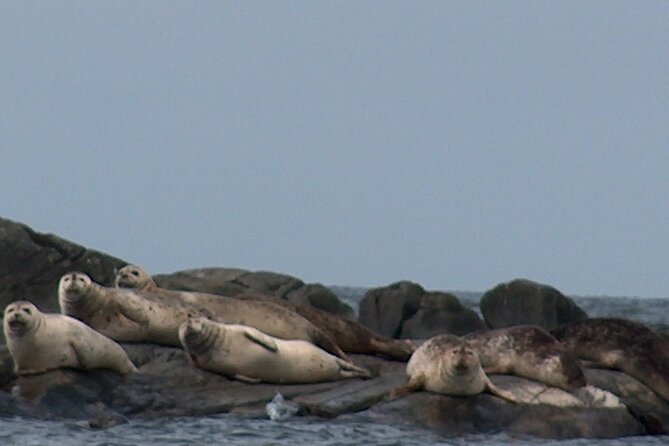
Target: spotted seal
{"x": 39, "y": 342}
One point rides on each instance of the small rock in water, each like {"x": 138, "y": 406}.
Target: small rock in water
{"x": 279, "y": 409}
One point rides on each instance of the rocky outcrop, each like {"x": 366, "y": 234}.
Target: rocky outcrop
{"x": 521, "y": 302}
{"x": 232, "y": 281}
{"x": 32, "y": 263}
{"x": 405, "y": 310}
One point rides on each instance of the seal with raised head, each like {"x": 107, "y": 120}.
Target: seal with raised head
{"x": 350, "y": 336}
{"x": 247, "y": 354}
{"x": 125, "y": 315}
{"x": 620, "y": 344}
{"x": 446, "y": 364}
{"x": 527, "y": 351}
{"x": 39, "y": 342}
{"x": 270, "y": 318}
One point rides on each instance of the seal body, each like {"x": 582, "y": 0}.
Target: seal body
{"x": 528, "y": 351}
{"x": 247, "y": 354}
{"x": 268, "y": 317}
{"x": 448, "y": 365}
{"x": 125, "y": 315}
{"x": 623, "y": 345}
{"x": 39, "y": 342}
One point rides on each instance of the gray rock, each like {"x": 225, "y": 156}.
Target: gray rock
{"x": 521, "y": 302}
{"x": 32, "y": 263}
{"x": 440, "y": 313}
{"x": 231, "y": 282}
{"x": 384, "y": 309}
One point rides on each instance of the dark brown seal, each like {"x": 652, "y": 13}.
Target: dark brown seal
{"x": 620, "y": 344}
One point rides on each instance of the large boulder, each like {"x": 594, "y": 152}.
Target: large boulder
{"x": 523, "y": 301}
{"x": 32, "y": 263}
{"x": 405, "y": 310}
{"x": 439, "y": 313}
{"x": 232, "y": 281}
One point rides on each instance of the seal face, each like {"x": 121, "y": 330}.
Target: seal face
{"x": 448, "y": 365}
{"x": 125, "y": 315}
{"x": 267, "y": 316}
{"x": 620, "y": 344}
{"x": 247, "y": 354}
{"x": 527, "y": 351}
{"x": 133, "y": 276}
{"x": 39, "y": 342}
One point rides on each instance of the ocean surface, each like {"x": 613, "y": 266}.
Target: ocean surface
{"x": 349, "y": 430}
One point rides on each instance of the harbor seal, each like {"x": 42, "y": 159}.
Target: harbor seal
{"x": 350, "y": 336}
{"x": 39, "y": 342}
{"x": 446, "y": 364}
{"x": 247, "y": 354}
{"x": 268, "y": 317}
{"x": 620, "y": 344}
{"x": 528, "y": 351}
{"x": 125, "y": 315}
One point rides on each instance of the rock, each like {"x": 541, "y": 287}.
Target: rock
{"x": 231, "y": 282}
{"x": 32, "y": 263}
{"x": 486, "y": 414}
{"x": 521, "y": 302}
{"x": 405, "y": 310}
{"x": 384, "y": 309}
{"x": 440, "y": 313}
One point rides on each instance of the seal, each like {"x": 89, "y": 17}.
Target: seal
{"x": 350, "y": 336}
{"x": 247, "y": 354}
{"x": 446, "y": 364}
{"x": 125, "y": 315}
{"x": 269, "y": 317}
{"x": 39, "y": 342}
{"x": 620, "y": 344}
{"x": 527, "y": 351}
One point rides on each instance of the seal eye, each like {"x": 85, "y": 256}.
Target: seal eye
{"x": 10, "y": 310}
{"x": 135, "y": 273}
{"x": 27, "y": 311}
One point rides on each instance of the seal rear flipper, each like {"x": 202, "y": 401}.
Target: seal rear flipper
{"x": 350, "y": 370}
{"x": 414, "y": 384}
{"x": 400, "y": 349}
{"x": 246, "y": 379}
{"x": 325, "y": 342}
{"x": 262, "y": 340}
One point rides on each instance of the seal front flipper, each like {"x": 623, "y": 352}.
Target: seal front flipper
{"x": 246, "y": 379}
{"x": 133, "y": 310}
{"x": 505, "y": 394}
{"x": 262, "y": 340}
{"x": 415, "y": 383}
{"x": 351, "y": 370}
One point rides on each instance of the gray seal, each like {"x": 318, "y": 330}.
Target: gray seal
{"x": 448, "y": 365}
{"x": 527, "y": 351}
{"x": 350, "y": 336}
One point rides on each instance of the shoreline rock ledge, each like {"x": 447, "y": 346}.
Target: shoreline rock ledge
{"x": 168, "y": 386}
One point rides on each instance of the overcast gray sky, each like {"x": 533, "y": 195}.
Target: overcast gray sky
{"x": 455, "y": 144}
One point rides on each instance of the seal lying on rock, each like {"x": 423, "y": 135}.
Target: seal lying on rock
{"x": 270, "y": 318}
{"x": 125, "y": 315}
{"x": 39, "y": 342}
{"x": 528, "y": 351}
{"x": 623, "y": 345}
{"x": 247, "y": 354}
{"x": 350, "y": 336}
{"x": 447, "y": 364}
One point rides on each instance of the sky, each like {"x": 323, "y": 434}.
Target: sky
{"x": 454, "y": 144}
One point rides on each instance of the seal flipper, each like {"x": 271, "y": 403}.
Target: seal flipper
{"x": 415, "y": 383}
{"x": 262, "y": 340}
{"x": 505, "y": 394}
{"x": 246, "y": 379}
{"x": 131, "y": 309}
{"x": 348, "y": 369}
